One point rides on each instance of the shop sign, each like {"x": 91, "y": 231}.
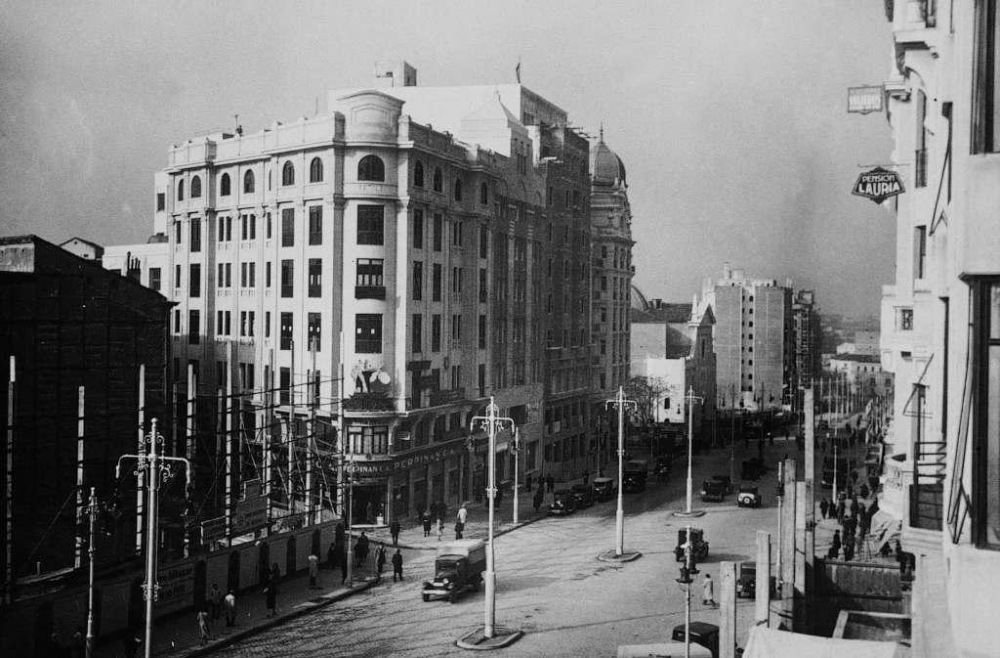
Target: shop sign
{"x": 428, "y": 456}
{"x": 251, "y": 515}
{"x": 864, "y": 100}
{"x": 371, "y": 469}
{"x": 878, "y": 185}
{"x": 175, "y": 584}
{"x": 213, "y": 530}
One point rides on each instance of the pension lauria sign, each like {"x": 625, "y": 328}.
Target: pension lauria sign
{"x": 878, "y": 185}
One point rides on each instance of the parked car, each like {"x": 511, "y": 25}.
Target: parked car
{"x": 713, "y": 490}
{"x": 726, "y": 481}
{"x": 458, "y": 567}
{"x": 748, "y": 496}
{"x": 699, "y": 547}
{"x": 564, "y": 503}
{"x": 746, "y": 583}
{"x": 604, "y": 488}
{"x": 705, "y": 634}
{"x": 584, "y": 495}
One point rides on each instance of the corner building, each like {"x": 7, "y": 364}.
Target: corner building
{"x": 433, "y": 243}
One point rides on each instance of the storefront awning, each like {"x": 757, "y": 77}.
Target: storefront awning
{"x": 885, "y": 528}
{"x": 770, "y": 643}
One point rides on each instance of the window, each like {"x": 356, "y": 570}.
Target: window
{"x": 247, "y": 321}
{"x": 267, "y": 274}
{"x": 315, "y": 224}
{"x": 484, "y": 242}
{"x": 919, "y": 251}
{"x": 268, "y": 220}
{"x": 194, "y": 327}
{"x": 482, "y": 332}
{"x": 985, "y": 78}
{"x": 418, "y": 174}
{"x": 371, "y": 225}
{"x": 248, "y": 182}
{"x": 920, "y": 157}
{"x": 288, "y": 227}
{"x": 368, "y": 333}
{"x": 985, "y": 434}
{"x": 288, "y": 174}
{"x": 371, "y": 168}
{"x": 417, "y": 336}
{"x": 438, "y": 180}
{"x": 224, "y": 185}
{"x": 456, "y": 234}
{"x": 177, "y": 276}
{"x": 418, "y": 229}
{"x": 904, "y": 321}
{"x": 316, "y": 171}
{"x": 287, "y": 278}
{"x": 196, "y": 187}
{"x": 267, "y": 324}
{"x": 435, "y": 333}
{"x": 314, "y": 331}
{"x": 438, "y": 230}
{"x": 284, "y": 386}
{"x": 456, "y": 327}
{"x": 369, "y": 272}
{"x": 436, "y": 282}
{"x": 195, "y": 235}
{"x": 155, "y": 276}
{"x": 482, "y": 285}
{"x": 177, "y": 321}
{"x": 458, "y": 190}
{"x": 418, "y": 280}
{"x": 194, "y": 280}
{"x": 286, "y": 320}
{"x": 161, "y": 200}
{"x": 180, "y": 190}
{"x": 484, "y": 194}
{"x": 315, "y": 277}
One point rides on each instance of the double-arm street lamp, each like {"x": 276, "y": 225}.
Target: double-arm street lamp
{"x": 158, "y": 468}
{"x": 621, "y": 402}
{"x": 690, "y": 398}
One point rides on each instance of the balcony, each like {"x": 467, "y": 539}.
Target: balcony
{"x": 369, "y": 292}
{"x": 438, "y": 398}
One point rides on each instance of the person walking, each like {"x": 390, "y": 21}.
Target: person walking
{"x": 426, "y": 519}
{"x": 203, "y": 625}
{"x": 835, "y": 546}
{"x": 463, "y": 514}
{"x": 586, "y": 475}
{"x": 313, "y": 570}
{"x": 271, "y": 590}
{"x": 708, "y": 591}
{"x": 440, "y": 528}
{"x": 215, "y": 602}
{"x": 841, "y": 508}
{"x": 458, "y": 529}
{"x": 331, "y": 556}
{"x": 823, "y": 506}
{"x": 537, "y": 500}
{"x": 361, "y": 550}
{"x": 397, "y": 566}
{"x": 551, "y": 483}
{"x": 394, "y": 532}
{"x": 379, "y": 562}
{"x": 230, "y": 605}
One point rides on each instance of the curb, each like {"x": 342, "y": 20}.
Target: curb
{"x": 272, "y": 622}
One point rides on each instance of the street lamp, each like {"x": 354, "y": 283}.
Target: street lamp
{"x": 690, "y": 398}
{"x": 517, "y": 458}
{"x": 159, "y": 469}
{"x": 686, "y": 581}
{"x": 620, "y": 555}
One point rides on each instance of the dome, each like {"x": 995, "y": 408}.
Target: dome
{"x": 606, "y": 166}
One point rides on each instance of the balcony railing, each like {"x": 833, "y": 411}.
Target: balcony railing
{"x": 929, "y": 468}
{"x": 369, "y": 292}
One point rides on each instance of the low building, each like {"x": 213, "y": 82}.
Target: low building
{"x": 863, "y": 374}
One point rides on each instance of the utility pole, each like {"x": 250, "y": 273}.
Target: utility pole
{"x": 159, "y": 469}
{"x": 92, "y": 535}
{"x": 690, "y": 398}
{"x": 8, "y": 590}
{"x": 80, "y": 509}
{"x": 621, "y": 402}
{"x": 310, "y": 460}
{"x": 517, "y": 459}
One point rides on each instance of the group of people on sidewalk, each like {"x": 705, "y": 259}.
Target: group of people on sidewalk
{"x": 216, "y": 605}
{"x": 855, "y": 520}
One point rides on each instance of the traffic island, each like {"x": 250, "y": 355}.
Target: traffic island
{"x": 692, "y": 514}
{"x": 477, "y": 640}
{"x": 627, "y": 555}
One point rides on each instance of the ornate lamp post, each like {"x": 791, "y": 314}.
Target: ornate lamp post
{"x": 158, "y": 468}
{"x": 620, "y": 554}
{"x": 690, "y": 398}
{"x": 685, "y": 582}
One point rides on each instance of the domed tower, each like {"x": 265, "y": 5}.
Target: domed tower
{"x": 611, "y": 228}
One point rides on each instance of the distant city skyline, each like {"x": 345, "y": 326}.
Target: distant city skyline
{"x": 731, "y": 119}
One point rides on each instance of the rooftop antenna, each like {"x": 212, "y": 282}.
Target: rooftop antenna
{"x": 239, "y": 128}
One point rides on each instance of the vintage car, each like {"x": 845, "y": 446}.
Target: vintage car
{"x": 459, "y": 567}
{"x": 604, "y": 488}
{"x": 726, "y": 481}
{"x": 563, "y": 503}
{"x": 748, "y": 496}
{"x": 584, "y": 495}
{"x": 702, "y": 633}
{"x": 713, "y": 490}
{"x": 746, "y": 582}
{"x": 699, "y": 547}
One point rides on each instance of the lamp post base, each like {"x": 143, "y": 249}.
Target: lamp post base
{"x": 689, "y": 515}
{"x": 627, "y": 555}
{"x": 476, "y": 640}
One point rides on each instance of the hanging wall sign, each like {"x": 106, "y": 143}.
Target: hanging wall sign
{"x": 878, "y": 185}
{"x": 863, "y": 100}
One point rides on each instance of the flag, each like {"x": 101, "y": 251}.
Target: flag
{"x": 517, "y": 71}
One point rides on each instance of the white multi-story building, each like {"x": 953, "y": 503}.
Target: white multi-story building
{"x": 940, "y": 318}
{"x": 434, "y": 267}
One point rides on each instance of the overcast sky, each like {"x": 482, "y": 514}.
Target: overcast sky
{"x": 730, "y": 115}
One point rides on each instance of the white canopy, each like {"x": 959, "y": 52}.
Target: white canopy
{"x": 770, "y": 643}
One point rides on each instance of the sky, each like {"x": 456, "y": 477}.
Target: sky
{"x": 730, "y": 115}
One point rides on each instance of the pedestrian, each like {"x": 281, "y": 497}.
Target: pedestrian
{"x": 379, "y": 562}
{"x": 499, "y": 496}
{"x": 551, "y": 482}
{"x": 527, "y": 483}
{"x": 215, "y": 601}
{"x": 394, "y": 531}
{"x": 342, "y": 558}
{"x": 708, "y": 591}
{"x": 271, "y": 590}
{"x": 361, "y": 550}
{"x": 426, "y": 518}
{"x": 835, "y": 546}
{"x": 230, "y": 604}
{"x": 823, "y": 506}
{"x": 331, "y": 556}
{"x": 840, "y": 511}
{"x": 770, "y": 439}
{"x": 463, "y": 514}
{"x": 458, "y": 529}
{"x": 313, "y": 570}
{"x": 440, "y": 528}
{"x": 854, "y": 506}
{"x": 586, "y": 475}
{"x": 397, "y": 566}
{"x": 203, "y": 625}
{"x": 537, "y": 500}
{"x": 848, "y": 550}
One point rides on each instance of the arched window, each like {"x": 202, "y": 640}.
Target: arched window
{"x": 180, "y": 190}
{"x": 371, "y": 168}
{"x": 484, "y": 194}
{"x": 248, "y": 182}
{"x": 458, "y": 189}
{"x": 224, "y": 185}
{"x": 316, "y": 171}
{"x": 418, "y": 174}
{"x": 438, "y": 180}
{"x": 195, "y": 187}
{"x": 288, "y": 174}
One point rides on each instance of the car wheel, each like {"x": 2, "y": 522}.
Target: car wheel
{"x": 451, "y": 597}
